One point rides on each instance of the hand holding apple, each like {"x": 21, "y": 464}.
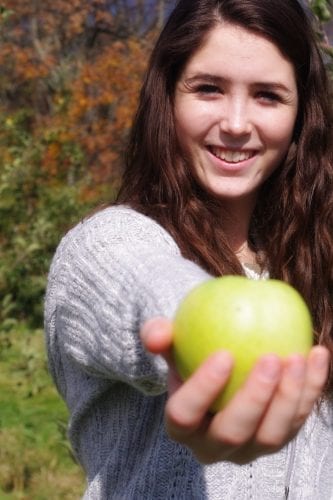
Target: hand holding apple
{"x": 262, "y": 417}
{"x": 245, "y": 317}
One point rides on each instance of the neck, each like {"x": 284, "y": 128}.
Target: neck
{"x": 237, "y": 233}
{"x": 237, "y": 228}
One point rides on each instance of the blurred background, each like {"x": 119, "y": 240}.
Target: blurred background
{"x": 70, "y": 72}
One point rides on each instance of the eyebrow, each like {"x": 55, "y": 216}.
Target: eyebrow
{"x": 218, "y": 80}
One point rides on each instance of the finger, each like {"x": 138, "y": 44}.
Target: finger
{"x": 174, "y": 380}
{"x": 156, "y": 335}
{"x": 278, "y": 424}
{"x": 239, "y": 420}
{"x": 187, "y": 408}
{"x": 317, "y": 369}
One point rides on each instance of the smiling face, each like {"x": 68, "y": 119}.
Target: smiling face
{"x": 235, "y": 110}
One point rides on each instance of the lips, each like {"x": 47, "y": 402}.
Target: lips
{"x": 230, "y": 155}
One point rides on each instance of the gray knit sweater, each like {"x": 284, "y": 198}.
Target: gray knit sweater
{"x": 111, "y": 273}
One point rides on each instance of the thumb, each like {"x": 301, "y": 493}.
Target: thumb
{"x": 156, "y": 335}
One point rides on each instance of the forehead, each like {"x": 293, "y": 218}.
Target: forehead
{"x": 239, "y": 52}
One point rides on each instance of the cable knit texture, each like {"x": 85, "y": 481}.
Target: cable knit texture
{"x": 110, "y": 273}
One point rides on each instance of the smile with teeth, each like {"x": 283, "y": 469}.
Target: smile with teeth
{"x": 231, "y": 156}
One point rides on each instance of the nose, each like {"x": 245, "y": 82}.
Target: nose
{"x": 235, "y": 118}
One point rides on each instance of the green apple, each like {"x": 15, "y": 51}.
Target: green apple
{"x": 246, "y": 317}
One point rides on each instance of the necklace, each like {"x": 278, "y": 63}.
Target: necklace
{"x": 245, "y": 254}
{"x": 242, "y": 248}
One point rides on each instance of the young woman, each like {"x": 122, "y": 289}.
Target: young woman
{"x": 229, "y": 171}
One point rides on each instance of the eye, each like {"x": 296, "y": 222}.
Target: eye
{"x": 268, "y": 96}
{"x": 207, "y": 88}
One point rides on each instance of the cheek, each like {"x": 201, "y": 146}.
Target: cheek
{"x": 187, "y": 134}
{"x": 193, "y": 121}
{"x": 279, "y": 133}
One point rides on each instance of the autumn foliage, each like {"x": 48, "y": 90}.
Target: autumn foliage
{"x": 70, "y": 72}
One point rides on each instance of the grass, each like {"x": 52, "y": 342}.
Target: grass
{"x": 36, "y": 462}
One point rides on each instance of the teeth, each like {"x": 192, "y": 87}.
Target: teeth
{"x": 231, "y": 156}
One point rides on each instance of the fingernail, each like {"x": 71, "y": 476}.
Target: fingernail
{"x": 319, "y": 358}
{"x": 222, "y": 363}
{"x": 269, "y": 367}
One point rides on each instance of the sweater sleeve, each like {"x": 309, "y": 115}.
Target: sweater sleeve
{"x": 106, "y": 279}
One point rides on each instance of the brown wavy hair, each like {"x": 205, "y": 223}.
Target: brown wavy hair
{"x": 292, "y": 224}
